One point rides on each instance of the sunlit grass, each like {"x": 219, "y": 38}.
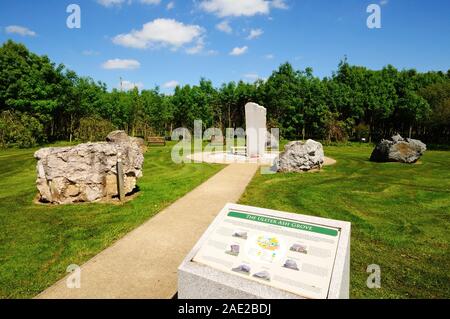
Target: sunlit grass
{"x": 400, "y": 216}
{"x": 38, "y": 242}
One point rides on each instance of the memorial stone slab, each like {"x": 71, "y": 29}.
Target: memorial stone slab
{"x": 256, "y": 129}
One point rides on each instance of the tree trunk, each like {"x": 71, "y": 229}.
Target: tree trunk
{"x": 71, "y": 128}
{"x": 229, "y": 116}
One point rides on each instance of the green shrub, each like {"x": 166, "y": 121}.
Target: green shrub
{"x": 362, "y": 131}
{"x": 93, "y": 128}
{"x": 20, "y": 129}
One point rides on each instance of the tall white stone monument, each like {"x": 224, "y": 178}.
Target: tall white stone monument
{"x": 256, "y": 128}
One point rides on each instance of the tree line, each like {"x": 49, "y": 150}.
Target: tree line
{"x": 42, "y": 102}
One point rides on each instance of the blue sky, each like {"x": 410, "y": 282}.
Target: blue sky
{"x": 225, "y": 40}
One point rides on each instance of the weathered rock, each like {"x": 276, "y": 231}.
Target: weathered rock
{"x": 86, "y": 172}
{"x": 118, "y": 137}
{"x": 299, "y": 157}
{"x": 122, "y": 137}
{"x": 398, "y": 149}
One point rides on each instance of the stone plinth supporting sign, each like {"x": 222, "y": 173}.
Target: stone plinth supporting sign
{"x": 256, "y": 129}
{"x": 250, "y": 252}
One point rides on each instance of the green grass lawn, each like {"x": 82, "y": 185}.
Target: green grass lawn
{"x": 38, "y": 242}
{"x": 400, "y": 216}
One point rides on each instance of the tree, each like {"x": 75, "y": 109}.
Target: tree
{"x": 41, "y": 101}
{"x": 438, "y": 97}
{"x": 284, "y": 100}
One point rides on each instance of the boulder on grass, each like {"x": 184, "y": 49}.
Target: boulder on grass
{"x": 118, "y": 137}
{"x": 86, "y": 172}
{"x": 122, "y": 137}
{"x": 300, "y": 157}
{"x": 398, "y": 149}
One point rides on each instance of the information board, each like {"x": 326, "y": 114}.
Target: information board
{"x": 287, "y": 254}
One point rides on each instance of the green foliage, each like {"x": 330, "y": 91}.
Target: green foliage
{"x": 362, "y": 131}
{"x": 19, "y": 129}
{"x": 301, "y": 105}
{"x": 93, "y": 128}
{"x": 438, "y": 97}
{"x": 336, "y": 130}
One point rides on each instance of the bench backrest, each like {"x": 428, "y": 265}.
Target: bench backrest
{"x": 156, "y": 140}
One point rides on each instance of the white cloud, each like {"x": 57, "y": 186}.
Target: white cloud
{"x": 279, "y": 4}
{"x": 170, "y": 5}
{"x": 161, "y": 33}
{"x": 17, "y": 29}
{"x": 197, "y": 48}
{"x": 171, "y": 84}
{"x": 239, "y": 51}
{"x": 110, "y": 3}
{"x": 150, "y": 1}
{"x": 127, "y": 85}
{"x": 237, "y": 8}
{"x": 269, "y": 56}
{"x": 121, "y": 64}
{"x": 384, "y": 2}
{"x": 225, "y": 8}
{"x": 224, "y": 26}
{"x": 255, "y": 33}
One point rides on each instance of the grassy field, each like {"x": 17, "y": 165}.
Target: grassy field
{"x": 400, "y": 216}
{"x": 38, "y": 242}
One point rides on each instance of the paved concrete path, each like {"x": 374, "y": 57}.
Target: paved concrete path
{"x": 144, "y": 263}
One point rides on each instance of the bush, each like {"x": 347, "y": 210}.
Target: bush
{"x": 335, "y": 130}
{"x": 362, "y": 131}
{"x": 20, "y": 129}
{"x": 93, "y": 128}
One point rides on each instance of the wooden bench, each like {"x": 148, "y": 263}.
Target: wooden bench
{"x": 156, "y": 140}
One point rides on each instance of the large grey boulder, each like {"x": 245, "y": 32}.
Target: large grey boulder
{"x": 398, "y": 149}
{"x": 86, "y": 172}
{"x": 300, "y": 157}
